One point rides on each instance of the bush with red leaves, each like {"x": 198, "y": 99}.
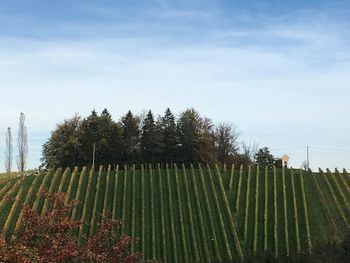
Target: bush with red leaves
{"x": 48, "y": 237}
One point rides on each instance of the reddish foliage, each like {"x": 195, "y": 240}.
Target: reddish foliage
{"x": 48, "y": 237}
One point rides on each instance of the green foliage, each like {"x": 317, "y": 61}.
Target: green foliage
{"x": 130, "y": 135}
{"x": 71, "y": 143}
{"x": 151, "y": 140}
{"x": 191, "y": 216}
{"x": 189, "y": 139}
{"x": 107, "y": 136}
{"x": 170, "y": 137}
{"x": 264, "y": 158}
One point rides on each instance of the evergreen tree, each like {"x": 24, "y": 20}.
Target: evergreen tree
{"x": 170, "y": 137}
{"x": 151, "y": 145}
{"x": 192, "y": 139}
{"x": 131, "y": 137}
{"x": 264, "y": 158}
{"x": 189, "y": 133}
{"x": 108, "y": 145}
{"x": 159, "y": 140}
{"x": 90, "y": 136}
{"x": 147, "y": 137}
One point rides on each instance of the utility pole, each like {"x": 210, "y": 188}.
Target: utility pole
{"x": 93, "y": 154}
{"x": 308, "y": 158}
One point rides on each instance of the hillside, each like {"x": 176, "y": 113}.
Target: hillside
{"x": 200, "y": 214}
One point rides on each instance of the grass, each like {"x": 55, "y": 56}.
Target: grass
{"x": 196, "y": 215}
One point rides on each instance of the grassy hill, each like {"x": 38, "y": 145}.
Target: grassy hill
{"x": 200, "y": 214}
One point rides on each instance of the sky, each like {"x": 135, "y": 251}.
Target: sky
{"x": 278, "y": 70}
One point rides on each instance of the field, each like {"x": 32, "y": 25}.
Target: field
{"x": 201, "y": 214}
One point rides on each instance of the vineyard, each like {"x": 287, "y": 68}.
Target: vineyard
{"x": 200, "y": 214}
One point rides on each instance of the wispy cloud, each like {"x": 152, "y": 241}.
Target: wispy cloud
{"x": 282, "y": 79}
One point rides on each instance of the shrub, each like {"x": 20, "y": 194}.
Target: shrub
{"x": 48, "y": 237}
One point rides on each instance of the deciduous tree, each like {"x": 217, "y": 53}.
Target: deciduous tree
{"x": 9, "y": 150}
{"x": 22, "y": 144}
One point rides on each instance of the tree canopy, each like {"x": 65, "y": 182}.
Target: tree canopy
{"x": 190, "y": 138}
{"x": 264, "y": 158}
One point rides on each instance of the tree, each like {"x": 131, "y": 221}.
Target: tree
{"x": 63, "y": 149}
{"x": 196, "y": 137}
{"x": 189, "y": 133}
{"x": 264, "y": 158}
{"x": 207, "y": 141}
{"x": 304, "y": 165}
{"x": 9, "y": 150}
{"x": 170, "y": 137}
{"x": 151, "y": 139}
{"x": 278, "y": 163}
{"x": 105, "y": 134}
{"x": 48, "y": 237}
{"x": 249, "y": 151}
{"x": 148, "y": 137}
{"x": 71, "y": 143}
{"x": 22, "y": 144}
{"x": 226, "y": 137}
{"x": 131, "y": 137}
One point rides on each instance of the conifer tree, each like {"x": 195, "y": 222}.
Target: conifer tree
{"x": 189, "y": 136}
{"x": 147, "y": 137}
{"x": 131, "y": 137}
{"x": 170, "y": 137}
{"x": 151, "y": 139}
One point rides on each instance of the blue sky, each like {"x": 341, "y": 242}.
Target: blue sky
{"x": 278, "y": 70}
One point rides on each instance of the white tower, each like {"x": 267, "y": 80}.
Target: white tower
{"x": 285, "y": 160}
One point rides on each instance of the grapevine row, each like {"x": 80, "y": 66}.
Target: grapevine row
{"x": 337, "y": 204}
{"x": 182, "y": 223}
{"x": 266, "y": 210}
{"x": 275, "y": 211}
{"x": 256, "y": 211}
{"x": 11, "y": 216}
{"x": 95, "y": 213}
{"x": 286, "y": 232}
{"x": 162, "y": 215}
{"x": 246, "y": 217}
{"x": 79, "y": 193}
{"x": 211, "y": 216}
{"x": 232, "y": 223}
{"x": 105, "y": 199}
{"x": 221, "y": 221}
{"x": 239, "y": 188}
{"x": 85, "y": 204}
{"x": 190, "y": 209}
{"x": 295, "y": 210}
{"x": 172, "y": 224}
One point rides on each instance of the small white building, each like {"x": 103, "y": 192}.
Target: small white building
{"x": 285, "y": 160}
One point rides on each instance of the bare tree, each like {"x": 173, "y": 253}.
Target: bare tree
{"x": 304, "y": 165}
{"x": 9, "y": 150}
{"x": 249, "y": 150}
{"x": 22, "y": 144}
{"x": 226, "y": 136}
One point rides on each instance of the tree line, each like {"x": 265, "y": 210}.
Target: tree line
{"x": 144, "y": 138}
